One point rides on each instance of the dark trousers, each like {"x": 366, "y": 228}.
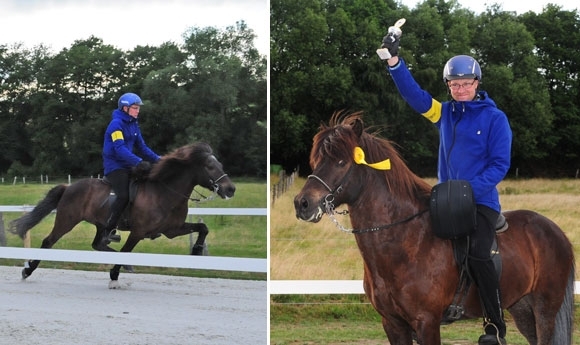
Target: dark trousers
{"x": 120, "y": 183}
{"x": 483, "y": 271}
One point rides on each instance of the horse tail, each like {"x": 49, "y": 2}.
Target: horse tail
{"x": 21, "y": 225}
{"x": 565, "y": 318}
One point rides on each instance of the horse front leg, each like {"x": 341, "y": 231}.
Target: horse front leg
{"x": 428, "y": 331}
{"x": 114, "y": 272}
{"x": 188, "y": 228}
{"x": 398, "y": 331}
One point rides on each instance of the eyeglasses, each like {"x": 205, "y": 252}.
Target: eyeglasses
{"x": 457, "y": 86}
{"x": 135, "y": 107}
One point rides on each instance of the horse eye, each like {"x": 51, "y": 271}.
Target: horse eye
{"x": 341, "y": 163}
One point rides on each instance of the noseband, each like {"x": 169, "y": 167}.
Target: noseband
{"x": 328, "y": 200}
{"x": 215, "y": 185}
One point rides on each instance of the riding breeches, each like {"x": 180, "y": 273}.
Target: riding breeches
{"x": 483, "y": 270}
{"x": 120, "y": 183}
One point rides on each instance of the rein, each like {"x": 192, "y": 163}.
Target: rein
{"x": 330, "y": 209}
{"x": 214, "y": 184}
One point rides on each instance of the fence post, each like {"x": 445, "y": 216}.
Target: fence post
{"x": 2, "y": 233}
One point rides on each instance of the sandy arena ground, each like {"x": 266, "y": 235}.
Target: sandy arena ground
{"x": 76, "y": 307}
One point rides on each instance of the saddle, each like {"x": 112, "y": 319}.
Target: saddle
{"x": 453, "y": 217}
{"x": 124, "y": 222}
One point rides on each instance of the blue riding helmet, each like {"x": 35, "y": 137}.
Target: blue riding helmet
{"x": 461, "y": 67}
{"x": 128, "y": 100}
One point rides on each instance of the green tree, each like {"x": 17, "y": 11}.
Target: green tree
{"x": 506, "y": 50}
{"x": 54, "y": 108}
{"x": 322, "y": 60}
{"x": 557, "y": 37}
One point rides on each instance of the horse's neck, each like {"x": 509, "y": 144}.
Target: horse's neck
{"x": 389, "y": 222}
{"x": 182, "y": 184}
{"x": 378, "y": 206}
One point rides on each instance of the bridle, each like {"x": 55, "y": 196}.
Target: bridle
{"x": 328, "y": 205}
{"x": 215, "y": 189}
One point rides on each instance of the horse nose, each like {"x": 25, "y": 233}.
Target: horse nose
{"x": 230, "y": 190}
{"x": 300, "y": 204}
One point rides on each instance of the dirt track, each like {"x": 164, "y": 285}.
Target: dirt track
{"x": 76, "y": 307}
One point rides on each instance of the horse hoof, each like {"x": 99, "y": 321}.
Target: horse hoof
{"x": 114, "y": 284}
{"x": 24, "y": 274}
{"x": 199, "y": 249}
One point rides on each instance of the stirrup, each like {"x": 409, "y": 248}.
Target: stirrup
{"x": 491, "y": 339}
{"x": 113, "y": 237}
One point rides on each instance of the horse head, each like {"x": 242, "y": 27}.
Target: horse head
{"x": 216, "y": 179}
{"x": 351, "y": 166}
{"x": 193, "y": 165}
{"x": 332, "y": 181}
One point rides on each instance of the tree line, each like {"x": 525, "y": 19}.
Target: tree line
{"x": 212, "y": 87}
{"x": 323, "y": 60}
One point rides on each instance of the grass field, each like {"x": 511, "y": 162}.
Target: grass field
{"x": 232, "y": 236}
{"x": 301, "y": 250}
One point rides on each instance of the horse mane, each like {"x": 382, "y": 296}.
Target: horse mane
{"x": 338, "y": 140}
{"x": 174, "y": 162}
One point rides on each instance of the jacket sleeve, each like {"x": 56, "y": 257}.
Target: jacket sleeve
{"x": 129, "y": 159}
{"x": 420, "y": 100}
{"x": 144, "y": 151}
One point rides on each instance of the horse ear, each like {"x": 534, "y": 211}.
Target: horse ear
{"x": 358, "y": 127}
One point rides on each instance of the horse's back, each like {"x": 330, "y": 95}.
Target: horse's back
{"x": 84, "y": 198}
{"x": 536, "y": 232}
{"x": 537, "y": 256}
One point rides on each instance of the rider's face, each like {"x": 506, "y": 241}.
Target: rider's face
{"x": 133, "y": 110}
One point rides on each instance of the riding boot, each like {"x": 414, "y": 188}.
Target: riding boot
{"x": 110, "y": 229}
{"x": 486, "y": 279}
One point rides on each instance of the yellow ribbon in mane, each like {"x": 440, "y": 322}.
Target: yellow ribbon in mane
{"x": 359, "y": 158}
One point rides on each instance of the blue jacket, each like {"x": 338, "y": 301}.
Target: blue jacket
{"x": 474, "y": 137}
{"x": 124, "y": 146}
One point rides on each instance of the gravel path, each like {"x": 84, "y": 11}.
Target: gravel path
{"x": 76, "y": 307}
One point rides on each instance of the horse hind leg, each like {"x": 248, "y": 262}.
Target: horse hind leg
{"x": 49, "y": 241}
{"x": 523, "y": 315}
{"x": 536, "y": 321}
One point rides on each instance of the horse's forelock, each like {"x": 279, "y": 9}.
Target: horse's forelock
{"x": 335, "y": 143}
{"x": 338, "y": 140}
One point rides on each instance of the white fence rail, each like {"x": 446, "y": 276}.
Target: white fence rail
{"x": 138, "y": 259}
{"x": 143, "y": 259}
{"x": 192, "y": 211}
{"x": 329, "y": 287}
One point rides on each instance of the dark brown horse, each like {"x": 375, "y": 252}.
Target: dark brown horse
{"x": 410, "y": 276}
{"x": 159, "y": 208}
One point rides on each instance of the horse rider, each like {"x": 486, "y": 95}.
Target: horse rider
{"x": 124, "y": 151}
{"x": 474, "y": 145}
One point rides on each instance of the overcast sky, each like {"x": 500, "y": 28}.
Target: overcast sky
{"x": 125, "y": 23}
{"x": 128, "y": 23}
